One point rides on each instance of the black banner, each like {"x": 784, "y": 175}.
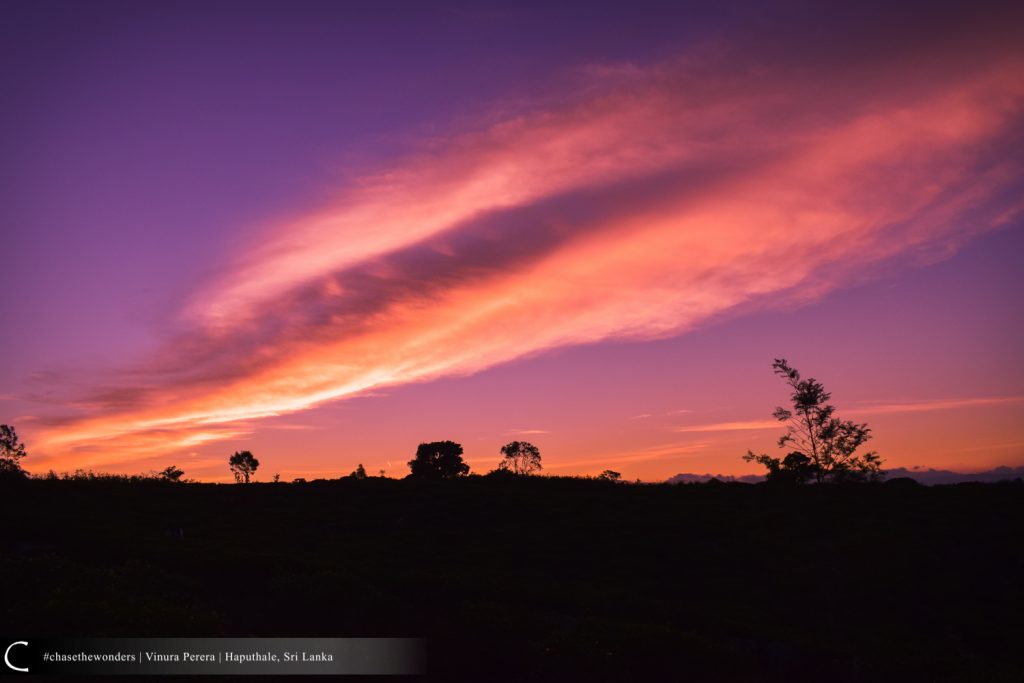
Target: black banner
{"x": 211, "y": 656}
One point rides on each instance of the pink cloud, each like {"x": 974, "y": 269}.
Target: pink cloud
{"x": 638, "y": 206}
{"x": 928, "y": 406}
{"x": 923, "y": 406}
{"x": 739, "y": 426}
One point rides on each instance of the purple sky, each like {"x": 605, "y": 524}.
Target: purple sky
{"x": 325, "y": 232}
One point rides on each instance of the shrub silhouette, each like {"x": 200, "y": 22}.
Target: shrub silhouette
{"x": 609, "y": 475}
{"x": 171, "y": 473}
{"x": 520, "y": 457}
{"x": 825, "y": 446}
{"x": 11, "y": 452}
{"x": 438, "y": 460}
{"x": 243, "y": 465}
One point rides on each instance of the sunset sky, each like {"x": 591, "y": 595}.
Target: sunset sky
{"x": 327, "y": 231}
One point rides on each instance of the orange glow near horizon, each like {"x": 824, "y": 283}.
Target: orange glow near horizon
{"x": 650, "y": 202}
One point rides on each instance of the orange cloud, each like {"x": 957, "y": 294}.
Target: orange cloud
{"x": 638, "y": 207}
{"x": 742, "y": 426}
{"x": 670, "y": 451}
{"x": 938, "y": 404}
{"x": 925, "y": 406}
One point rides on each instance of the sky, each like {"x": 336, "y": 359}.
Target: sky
{"x": 326, "y": 232}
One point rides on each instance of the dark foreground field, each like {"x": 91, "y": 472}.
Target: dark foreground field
{"x": 546, "y": 578}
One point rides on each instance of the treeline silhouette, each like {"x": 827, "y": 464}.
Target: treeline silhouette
{"x": 822, "y": 447}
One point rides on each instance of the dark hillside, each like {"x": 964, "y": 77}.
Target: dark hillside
{"x": 512, "y": 576}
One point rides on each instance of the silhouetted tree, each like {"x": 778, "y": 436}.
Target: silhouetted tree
{"x": 521, "y": 457}
{"x": 11, "y": 452}
{"x": 243, "y": 465}
{"x": 824, "y": 447}
{"x": 359, "y": 473}
{"x": 171, "y": 473}
{"x": 609, "y": 475}
{"x": 438, "y": 460}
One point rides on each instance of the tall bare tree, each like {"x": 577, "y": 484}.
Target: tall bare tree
{"x": 822, "y": 447}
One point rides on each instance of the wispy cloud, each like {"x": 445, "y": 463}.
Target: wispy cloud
{"x": 935, "y": 404}
{"x": 292, "y": 427}
{"x": 645, "y": 416}
{"x": 527, "y": 431}
{"x": 742, "y": 426}
{"x": 921, "y": 406}
{"x": 637, "y": 206}
{"x": 660, "y": 452}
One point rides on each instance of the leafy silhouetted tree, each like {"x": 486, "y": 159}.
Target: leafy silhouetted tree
{"x": 438, "y": 460}
{"x": 243, "y": 465}
{"x": 823, "y": 446}
{"x": 609, "y": 475}
{"x": 359, "y": 473}
{"x": 795, "y": 468}
{"x": 171, "y": 473}
{"x": 521, "y": 457}
{"x": 11, "y": 452}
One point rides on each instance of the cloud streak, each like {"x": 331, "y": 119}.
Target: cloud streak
{"x": 938, "y": 404}
{"x": 742, "y": 426}
{"x": 926, "y": 406}
{"x": 638, "y": 205}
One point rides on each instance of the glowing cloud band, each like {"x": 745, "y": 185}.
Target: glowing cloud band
{"x": 645, "y": 203}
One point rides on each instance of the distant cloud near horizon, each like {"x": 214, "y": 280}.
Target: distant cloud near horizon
{"x": 639, "y": 204}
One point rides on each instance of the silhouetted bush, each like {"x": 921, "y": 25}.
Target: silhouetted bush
{"x": 12, "y": 450}
{"x": 438, "y": 460}
{"x": 243, "y": 465}
{"x": 520, "y": 457}
{"x": 171, "y": 473}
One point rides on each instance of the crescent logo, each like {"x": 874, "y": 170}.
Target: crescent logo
{"x": 7, "y": 656}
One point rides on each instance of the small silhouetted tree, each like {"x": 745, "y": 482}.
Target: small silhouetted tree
{"x": 359, "y": 473}
{"x": 243, "y": 465}
{"x": 171, "y": 473}
{"x": 438, "y": 460}
{"x": 609, "y": 475}
{"x": 823, "y": 446}
{"x": 12, "y": 451}
{"x": 520, "y": 457}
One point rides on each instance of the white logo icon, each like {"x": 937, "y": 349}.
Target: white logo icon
{"x": 7, "y": 656}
